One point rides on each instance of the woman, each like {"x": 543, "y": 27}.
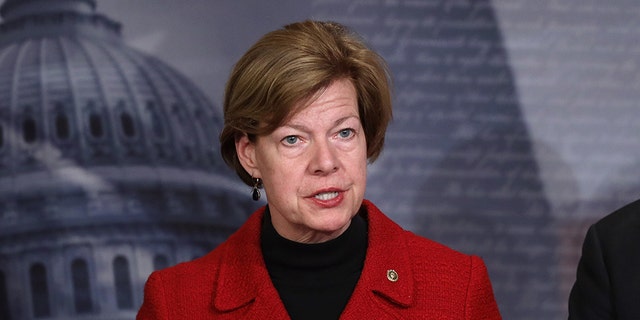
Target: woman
{"x": 306, "y": 108}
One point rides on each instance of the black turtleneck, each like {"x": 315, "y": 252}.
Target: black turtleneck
{"x": 315, "y": 281}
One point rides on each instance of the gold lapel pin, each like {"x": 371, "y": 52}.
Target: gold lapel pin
{"x": 392, "y": 275}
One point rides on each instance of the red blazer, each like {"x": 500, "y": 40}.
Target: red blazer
{"x": 232, "y": 282}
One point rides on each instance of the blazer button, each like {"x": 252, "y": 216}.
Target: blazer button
{"x": 392, "y": 275}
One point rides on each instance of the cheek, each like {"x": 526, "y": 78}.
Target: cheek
{"x": 363, "y": 156}
{"x": 358, "y": 167}
{"x": 281, "y": 176}
{"x": 267, "y": 161}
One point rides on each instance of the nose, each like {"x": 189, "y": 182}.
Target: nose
{"x": 324, "y": 158}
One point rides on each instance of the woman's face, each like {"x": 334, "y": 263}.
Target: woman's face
{"x": 314, "y": 167}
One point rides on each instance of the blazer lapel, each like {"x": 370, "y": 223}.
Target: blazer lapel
{"x": 387, "y": 271}
{"x": 244, "y": 288}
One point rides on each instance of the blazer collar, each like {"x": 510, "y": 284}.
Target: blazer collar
{"x": 243, "y": 276}
{"x": 387, "y": 256}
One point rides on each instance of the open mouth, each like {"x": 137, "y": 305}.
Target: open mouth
{"x": 326, "y": 195}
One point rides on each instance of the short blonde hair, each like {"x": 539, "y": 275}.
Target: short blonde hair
{"x": 286, "y": 68}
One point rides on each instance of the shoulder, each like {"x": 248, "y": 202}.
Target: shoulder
{"x": 185, "y": 286}
{"x": 431, "y": 258}
{"x": 187, "y": 289}
{"x": 624, "y": 218}
{"x": 194, "y": 275}
{"x": 419, "y": 248}
{"x": 202, "y": 272}
{"x": 617, "y": 231}
{"x": 442, "y": 273}
{"x": 606, "y": 276}
{"x": 427, "y": 257}
{"x": 441, "y": 278}
{"x": 616, "y": 237}
{"x": 425, "y": 247}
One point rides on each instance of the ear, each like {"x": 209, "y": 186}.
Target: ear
{"x": 246, "y": 150}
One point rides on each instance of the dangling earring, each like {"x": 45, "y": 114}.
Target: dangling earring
{"x": 257, "y": 185}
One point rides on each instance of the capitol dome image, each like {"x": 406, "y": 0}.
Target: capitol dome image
{"x": 109, "y": 166}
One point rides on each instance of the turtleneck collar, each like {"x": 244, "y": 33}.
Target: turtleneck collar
{"x": 346, "y": 251}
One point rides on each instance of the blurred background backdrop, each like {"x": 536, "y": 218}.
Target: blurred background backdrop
{"x": 515, "y": 127}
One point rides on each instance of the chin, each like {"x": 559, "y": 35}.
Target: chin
{"x": 333, "y": 225}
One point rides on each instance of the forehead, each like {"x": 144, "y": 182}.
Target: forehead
{"x": 339, "y": 97}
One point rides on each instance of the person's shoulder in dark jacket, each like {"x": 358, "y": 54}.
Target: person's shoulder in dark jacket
{"x": 608, "y": 275}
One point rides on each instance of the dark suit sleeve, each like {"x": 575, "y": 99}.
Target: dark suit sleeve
{"x": 590, "y": 296}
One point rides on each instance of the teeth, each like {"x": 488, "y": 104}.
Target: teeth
{"x": 326, "y": 195}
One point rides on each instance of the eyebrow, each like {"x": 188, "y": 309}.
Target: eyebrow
{"x": 338, "y": 122}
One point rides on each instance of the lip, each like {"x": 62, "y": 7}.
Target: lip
{"x": 330, "y": 203}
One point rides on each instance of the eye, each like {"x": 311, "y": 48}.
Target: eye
{"x": 345, "y": 133}
{"x": 290, "y": 139}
